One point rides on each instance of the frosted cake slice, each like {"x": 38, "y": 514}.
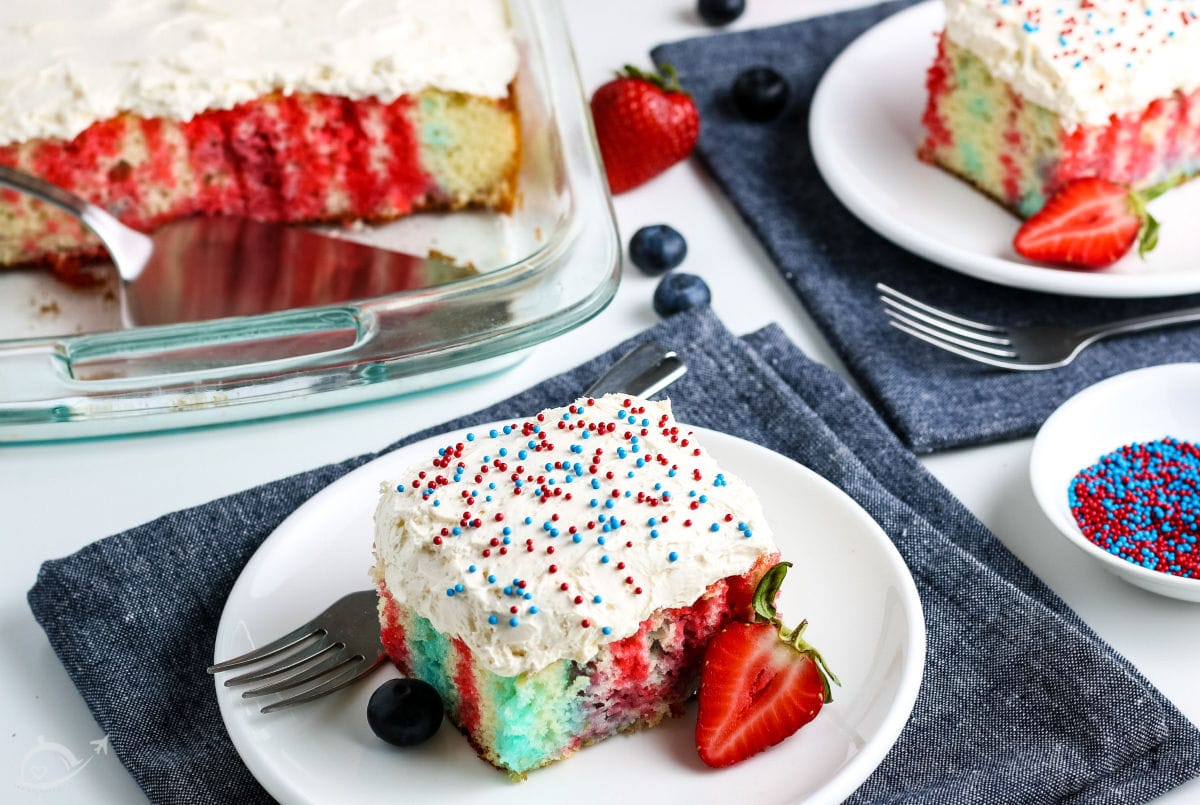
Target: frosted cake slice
{"x": 557, "y": 579}
{"x": 292, "y": 110}
{"x": 1027, "y": 95}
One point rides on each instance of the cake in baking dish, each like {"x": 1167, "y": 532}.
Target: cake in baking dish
{"x": 557, "y": 579}
{"x": 288, "y": 110}
{"x": 1026, "y": 95}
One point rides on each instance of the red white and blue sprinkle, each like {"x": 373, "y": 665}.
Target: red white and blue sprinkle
{"x": 1141, "y": 503}
{"x": 627, "y": 479}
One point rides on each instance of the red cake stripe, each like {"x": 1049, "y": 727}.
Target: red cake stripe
{"x": 395, "y": 642}
{"x": 1013, "y": 144}
{"x": 407, "y": 180}
{"x": 468, "y": 690}
{"x": 937, "y": 82}
{"x": 216, "y": 191}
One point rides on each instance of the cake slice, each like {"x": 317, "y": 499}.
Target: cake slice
{"x": 1027, "y": 95}
{"x": 295, "y": 111}
{"x": 557, "y": 579}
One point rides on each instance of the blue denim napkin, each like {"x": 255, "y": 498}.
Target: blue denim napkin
{"x": 933, "y": 399}
{"x": 1021, "y": 702}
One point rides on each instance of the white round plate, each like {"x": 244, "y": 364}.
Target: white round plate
{"x": 848, "y": 580}
{"x": 1138, "y": 406}
{"x": 865, "y": 126}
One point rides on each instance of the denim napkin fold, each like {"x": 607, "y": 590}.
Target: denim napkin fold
{"x": 1021, "y": 702}
{"x": 935, "y": 400}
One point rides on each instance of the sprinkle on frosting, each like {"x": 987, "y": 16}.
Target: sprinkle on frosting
{"x": 1084, "y": 59}
{"x": 615, "y": 510}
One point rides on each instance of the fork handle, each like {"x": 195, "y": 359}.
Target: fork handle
{"x": 1139, "y": 323}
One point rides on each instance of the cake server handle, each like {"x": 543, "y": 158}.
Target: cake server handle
{"x": 642, "y": 372}
{"x": 130, "y": 250}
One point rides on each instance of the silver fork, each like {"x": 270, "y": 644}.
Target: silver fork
{"x": 334, "y": 649}
{"x": 342, "y": 645}
{"x": 1024, "y": 348}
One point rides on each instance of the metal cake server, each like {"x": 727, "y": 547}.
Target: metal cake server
{"x": 342, "y": 644}
{"x": 213, "y": 267}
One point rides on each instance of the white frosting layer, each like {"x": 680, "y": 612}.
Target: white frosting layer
{"x": 66, "y": 64}
{"x": 1084, "y": 59}
{"x": 630, "y": 567}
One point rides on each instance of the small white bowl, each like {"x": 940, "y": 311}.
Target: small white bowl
{"x": 1138, "y": 406}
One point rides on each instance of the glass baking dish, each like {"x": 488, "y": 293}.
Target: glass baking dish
{"x": 68, "y": 369}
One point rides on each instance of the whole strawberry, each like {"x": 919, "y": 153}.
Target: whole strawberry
{"x": 760, "y": 682}
{"x": 644, "y": 123}
{"x": 1091, "y": 223}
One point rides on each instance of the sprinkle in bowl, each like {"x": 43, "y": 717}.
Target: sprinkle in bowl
{"x": 1139, "y": 409}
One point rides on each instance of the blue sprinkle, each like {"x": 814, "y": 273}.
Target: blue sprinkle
{"x": 672, "y": 556}
{"x": 607, "y": 630}
{"x": 513, "y": 621}
{"x": 493, "y": 620}
{"x": 450, "y": 591}
{"x": 596, "y": 599}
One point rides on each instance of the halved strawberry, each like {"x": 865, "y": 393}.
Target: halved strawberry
{"x": 1091, "y": 223}
{"x": 760, "y": 682}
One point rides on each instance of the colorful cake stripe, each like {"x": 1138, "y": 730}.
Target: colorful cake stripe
{"x": 285, "y": 158}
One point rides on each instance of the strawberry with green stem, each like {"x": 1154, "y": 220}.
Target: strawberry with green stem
{"x": 761, "y": 682}
{"x": 1091, "y": 223}
{"x": 645, "y": 123}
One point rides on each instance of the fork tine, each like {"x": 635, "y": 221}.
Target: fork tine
{"x": 965, "y": 343}
{"x": 321, "y": 669}
{"x": 285, "y": 664}
{"x": 292, "y": 638}
{"x": 326, "y": 687}
{"x": 896, "y": 299}
{"x": 892, "y": 307}
{"x": 965, "y": 353}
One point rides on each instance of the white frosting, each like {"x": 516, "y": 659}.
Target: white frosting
{"x": 66, "y": 64}
{"x": 1084, "y": 59}
{"x": 419, "y": 573}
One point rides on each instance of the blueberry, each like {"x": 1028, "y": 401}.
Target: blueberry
{"x": 760, "y": 94}
{"x": 720, "y": 12}
{"x": 678, "y": 292}
{"x": 405, "y": 712}
{"x": 658, "y": 248}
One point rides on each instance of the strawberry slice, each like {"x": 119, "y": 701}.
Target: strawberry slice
{"x": 1091, "y": 223}
{"x": 760, "y": 682}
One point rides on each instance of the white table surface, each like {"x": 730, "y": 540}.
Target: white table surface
{"x": 56, "y": 498}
